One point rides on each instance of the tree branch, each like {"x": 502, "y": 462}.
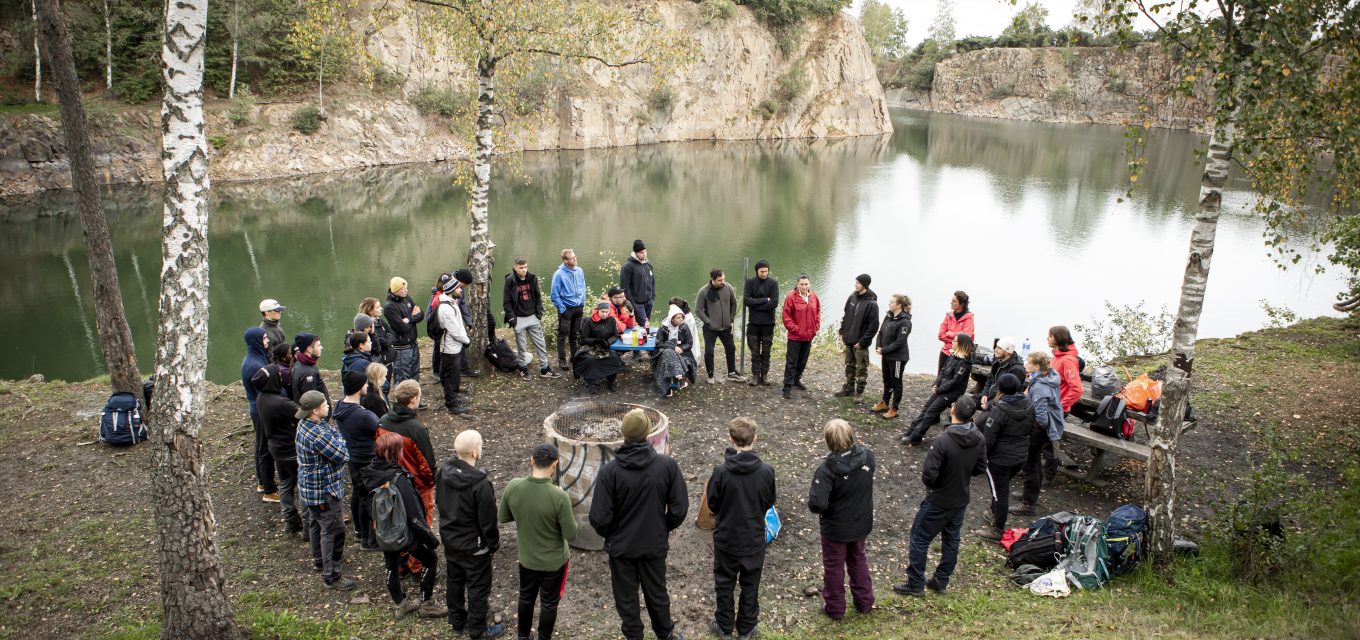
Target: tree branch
{"x": 588, "y": 56}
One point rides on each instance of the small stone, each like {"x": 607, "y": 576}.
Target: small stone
{"x": 36, "y": 378}
{"x": 359, "y": 599}
{"x": 811, "y": 591}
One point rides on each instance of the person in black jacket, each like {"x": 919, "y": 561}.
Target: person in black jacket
{"x": 595, "y": 361}
{"x": 952, "y": 461}
{"x": 278, "y": 418}
{"x": 385, "y": 471}
{"x": 640, "y": 497}
{"x": 842, "y": 496}
{"x": 403, "y": 316}
{"x": 382, "y": 336}
{"x": 740, "y": 491}
{"x": 858, "y": 327}
{"x": 304, "y": 374}
{"x": 892, "y": 345}
{"x": 467, "y": 526}
{"x": 949, "y": 385}
{"x": 761, "y": 298}
{"x": 638, "y": 283}
{"x": 359, "y": 426}
{"x": 1006, "y": 429}
{"x": 1004, "y": 358}
{"x": 523, "y": 303}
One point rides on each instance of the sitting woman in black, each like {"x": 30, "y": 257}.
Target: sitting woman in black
{"x": 594, "y": 361}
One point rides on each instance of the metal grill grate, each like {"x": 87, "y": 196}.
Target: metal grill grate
{"x": 596, "y": 421}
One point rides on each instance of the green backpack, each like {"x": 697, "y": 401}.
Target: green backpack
{"x": 1086, "y": 555}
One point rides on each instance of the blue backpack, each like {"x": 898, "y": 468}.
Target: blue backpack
{"x": 1124, "y": 535}
{"x": 120, "y": 424}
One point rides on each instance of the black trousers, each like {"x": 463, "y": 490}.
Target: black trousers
{"x": 929, "y": 416}
{"x": 728, "y": 571}
{"x": 451, "y": 378}
{"x": 546, "y": 587}
{"x": 760, "y": 337}
{"x": 467, "y": 589}
{"x": 429, "y": 573}
{"x": 892, "y": 381}
{"x": 729, "y": 349}
{"x": 568, "y": 331}
{"x": 1037, "y": 464}
{"x": 626, "y": 575}
{"x": 264, "y": 462}
{"x": 1001, "y": 491}
{"x": 358, "y": 503}
{"x": 795, "y": 361}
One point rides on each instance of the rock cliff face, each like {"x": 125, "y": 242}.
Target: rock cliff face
{"x": 726, "y": 93}
{"x": 1081, "y": 84}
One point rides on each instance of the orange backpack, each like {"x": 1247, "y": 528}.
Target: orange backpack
{"x": 1141, "y": 393}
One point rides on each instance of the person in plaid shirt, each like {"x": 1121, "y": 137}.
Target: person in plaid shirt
{"x": 322, "y": 456}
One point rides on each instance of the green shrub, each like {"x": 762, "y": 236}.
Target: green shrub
{"x": 242, "y": 107}
{"x": 787, "y": 12}
{"x": 1003, "y": 91}
{"x": 14, "y": 99}
{"x": 717, "y": 10}
{"x": 921, "y": 74}
{"x": 1126, "y": 331}
{"x": 766, "y": 109}
{"x": 217, "y": 140}
{"x": 532, "y": 89}
{"x": 307, "y": 120}
{"x": 787, "y": 37}
{"x": 791, "y": 84}
{"x": 440, "y": 101}
{"x": 1061, "y": 93}
{"x": 661, "y": 99}
{"x": 387, "y": 80}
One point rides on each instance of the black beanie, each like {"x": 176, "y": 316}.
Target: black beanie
{"x": 864, "y": 279}
{"x": 762, "y": 264}
{"x": 463, "y": 275}
{"x": 1008, "y": 384}
{"x": 638, "y": 245}
{"x": 352, "y": 382}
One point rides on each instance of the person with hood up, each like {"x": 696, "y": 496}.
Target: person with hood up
{"x": 257, "y": 356}
{"x": 1004, "y": 358}
{"x": 305, "y": 376}
{"x": 1007, "y": 429}
{"x": 892, "y": 346}
{"x": 673, "y": 360}
{"x": 544, "y": 525}
{"x": 949, "y": 385}
{"x": 467, "y": 525}
{"x": 595, "y": 361}
{"x": 842, "y": 496}
{"x": 957, "y": 321}
{"x": 464, "y": 278}
{"x": 859, "y": 324}
{"x": 359, "y": 426}
{"x": 640, "y": 497}
{"x": 451, "y": 346}
{"x": 683, "y": 304}
{"x": 384, "y": 470}
{"x": 947, "y": 472}
{"x": 1044, "y": 396}
{"x": 716, "y": 308}
{"x": 636, "y": 280}
{"x": 272, "y": 312}
{"x": 802, "y": 320}
{"x": 279, "y": 421}
{"x": 761, "y": 298}
{"x": 403, "y": 317}
{"x": 358, "y": 348}
{"x": 417, "y": 454}
{"x": 740, "y": 491}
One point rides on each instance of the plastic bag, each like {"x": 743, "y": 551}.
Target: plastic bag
{"x": 1053, "y": 583}
{"x": 772, "y": 525}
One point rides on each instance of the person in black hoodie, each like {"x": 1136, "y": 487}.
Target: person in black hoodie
{"x": 842, "y": 496}
{"x": 892, "y": 345}
{"x": 359, "y": 426}
{"x": 637, "y": 281}
{"x": 858, "y": 327}
{"x": 384, "y": 470}
{"x": 948, "y": 469}
{"x": 304, "y": 374}
{"x": 594, "y": 361}
{"x": 403, "y": 316}
{"x": 1003, "y": 359}
{"x": 278, "y": 418}
{"x": 762, "y": 300}
{"x": 740, "y": 491}
{"x": 949, "y": 385}
{"x": 467, "y": 525}
{"x": 1006, "y": 429}
{"x": 640, "y": 497}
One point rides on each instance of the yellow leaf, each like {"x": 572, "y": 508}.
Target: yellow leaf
{"x": 1133, "y": 178}
{"x": 1190, "y": 78}
{"x": 1286, "y": 71}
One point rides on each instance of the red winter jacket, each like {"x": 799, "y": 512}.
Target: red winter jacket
{"x": 802, "y": 319}
{"x": 951, "y": 327}
{"x": 1069, "y": 372}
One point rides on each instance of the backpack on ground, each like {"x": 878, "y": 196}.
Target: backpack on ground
{"x": 1105, "y": 382}
{"x": 1124, "y": 536}
{"x": 120, "y": 423}
{"x": 391, "y": 529}
{"x": 502, "y": 356}
{"x": 1040, "y": 549}
{"x": 1086, "y": 555}
{"x": 1110, "y": 418}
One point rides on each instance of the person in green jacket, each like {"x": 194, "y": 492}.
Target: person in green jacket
{"x": 545, "y": 524}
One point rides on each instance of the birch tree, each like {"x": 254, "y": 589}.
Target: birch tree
{"x": 191, "y": 575}
{"x": 497, "y": 40}
{"x": 323, "y": 35}
{"x": 235, "y": 45}
{"x": 37, "y": 56}
{"x": 108, "y": 49}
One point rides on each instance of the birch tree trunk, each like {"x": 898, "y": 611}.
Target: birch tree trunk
{"x": 108, "y": 50}
{"x": 235, "y": 45}
{"x": 115, "y": 338}
{"x": 320, "y": 73}
{"x": 1164, "y": 436}
{"x": 479, "y": 255}
{"x": 191, "y": 576}
{"x": 37, "y": 57}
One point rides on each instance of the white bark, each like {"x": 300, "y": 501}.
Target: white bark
{"x": 1164, "y": 436}
{"x": 479, "y": 255}
{"x": 191, "y": 575}
{"x": 108, "y": 49}
{"x": 37, "y": 57}
{"x": 235, "y": 45}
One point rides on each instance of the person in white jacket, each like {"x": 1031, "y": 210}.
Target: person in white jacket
{"x": 451, "y": 346}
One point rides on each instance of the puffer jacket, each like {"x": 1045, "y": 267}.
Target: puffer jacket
{"x": 802, "y": 318}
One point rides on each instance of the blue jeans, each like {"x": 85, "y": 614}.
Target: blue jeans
{"x": 407, "y": 365}
{"x": 930, "y": 522}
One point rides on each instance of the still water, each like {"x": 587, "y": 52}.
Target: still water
{"x": 1023, "y": 216}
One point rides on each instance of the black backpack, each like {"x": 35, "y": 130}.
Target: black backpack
{"x": 1109, "y": 418}
{"x": 391, "y": 527}
{"x": 502, "y": 356}
{"x": 432, "y": 327}
{"x": 120, "y": 424}
{"x": 1042, "y": 545}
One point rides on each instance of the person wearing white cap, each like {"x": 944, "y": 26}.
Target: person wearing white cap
{"x": 1004, "y": 359}
{"x": 272, "y": 311}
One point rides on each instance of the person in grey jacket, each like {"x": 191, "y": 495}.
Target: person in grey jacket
{"x": 892, "y": 346}
{"x": 1044, "y": 386}
{"x": 716, "y": 309}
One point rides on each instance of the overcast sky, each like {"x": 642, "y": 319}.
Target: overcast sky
{"x": 975, "y": 17}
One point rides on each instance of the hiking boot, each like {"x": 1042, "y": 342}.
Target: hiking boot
{"x": 471, "y": 373}
{"x": 431, "y": 609}
{"x": 934, "y": 585}
{"x": 492, "y": 631}
{"x": 524, "y": 374}
{"x": 609, "y": 384}
{"x": 845, "y": 392}
{"x": 1022, "y": 509}
{"x": 423, "y": 405}
{"x": 764, "y": 379}
{"x": 341, "y": 584}
{"x": 563, "y": 366}
{"x": 788, "y": 393}
{"x": 717, "y": 630}
{"x": 890, "y": 414}
{"x": 751, "y": 635}
{"x": 368, "y": 545}
{"x": 459, "y": 410}
{"x": 798, "y": 384}
{"x": 734, "y": 376}
{"x": 547, "y": 372}
{"x": 904, "y": 589}
{"x": 880, "y": 407}
{"x": 755, "y": 380}
{"x": 270, "y": 497}
{"x": 987, "y": 532}
{"x": 406, "y": 608}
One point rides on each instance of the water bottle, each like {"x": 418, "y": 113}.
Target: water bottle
{"x": 1024, "y": 349}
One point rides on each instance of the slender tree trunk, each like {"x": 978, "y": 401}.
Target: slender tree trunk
{"x": 120, "y": 357}
{"x": 37, "y": 57}
{"x": 320, "y": 73}
{"x": 1164, "y": 436}
{"x": 235, "y": 45}
{"x": 191, "y": 576}
{"x": 108, "y": 50}
{"x": 479, "y": 256}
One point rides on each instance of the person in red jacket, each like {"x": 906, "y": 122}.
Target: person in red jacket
{"x": 802, "y": 319}
{"x": 958, "y": 320}
{"x": 417, "y": 454}
{"x": 1065, "y": 362}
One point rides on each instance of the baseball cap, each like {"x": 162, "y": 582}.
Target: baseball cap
{"x": 270, "y": 304}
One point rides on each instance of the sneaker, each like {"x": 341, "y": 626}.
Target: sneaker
{"x": 676, "y": 635}
{"x": 406, "y": 608}
{"x": 904, "y": 589}
{"x": 987, "y": 532}
{"x": 712, "y": 380}
{"x": 733, "y": 375}
{"x": 259, "y": 488}
{"x": 316, "y": 566}
{"x": 270, "y": 497}
{"x": 717, "y": 630}
{"x": 828, "y": 614}
{"x": 423, "y": 405}
{"x": 341, "y": 584}
{"x": 749, "y": 636}
{"x": 471, "y": 373}
{"x": 563, "y": 366}
{"x": 934, "y": 585}
{"x": 1022, "y": 510}
{"x": 547, "y": 372}
{"x": 365, "y": 545}
{"x": 493, "y": 631}
{"x": 524, "y": 375}
{"x": 431, "y": 609}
